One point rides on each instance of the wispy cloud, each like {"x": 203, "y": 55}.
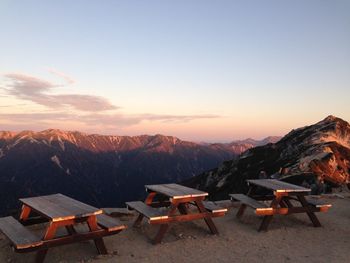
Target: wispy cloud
{"x": 127, "y": 119}
{"x": 60, "y": 74}
{"x": 109, "y": 121}
{"x": 33, "y": 89}
{"x": 94, "y": 112}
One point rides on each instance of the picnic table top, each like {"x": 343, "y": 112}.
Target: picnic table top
{"x": 175, "y": 191}
{"x": 58, "y": 207}
{"x": 278, "y": 186}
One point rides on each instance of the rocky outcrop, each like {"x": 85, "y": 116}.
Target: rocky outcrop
{"x": 309, "y": 155}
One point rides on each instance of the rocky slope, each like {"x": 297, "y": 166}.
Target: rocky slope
{"x": 308, "y": 155}
{"x": 100, "y": 170}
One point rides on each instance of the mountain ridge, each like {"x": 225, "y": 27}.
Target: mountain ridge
{"x": 308, "y": 156}
{"x": 125, "y": 142}
{"x": 97, "y": 169}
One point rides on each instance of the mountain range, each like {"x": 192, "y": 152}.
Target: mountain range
{"x": 317, "y": 156}
{"x": 97, "y": 169}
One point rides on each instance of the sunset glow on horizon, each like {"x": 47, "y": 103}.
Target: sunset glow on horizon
{"x": 197, "y": 70}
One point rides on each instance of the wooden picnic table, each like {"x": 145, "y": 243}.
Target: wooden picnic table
{"x": 282, "y": 201}
{"x": 59, "y": 211}
{"x": 173, "y": 198}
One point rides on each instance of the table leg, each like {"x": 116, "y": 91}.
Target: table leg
{"x": 288, "y": 202}
{"x": 164, "y": 227}
{"x": 161, "y": 232}
{"x": 71, "y": 230}
{"x": 311, "y": 214}
{"x": 283, "y": 203}
{"x": 49, "y": 234}
{"x": 241, "y": 210}
{"x": 100, "y": 245}
{"x": 148, "y": 201}
{"x": 138, "y": 221}
{"x": 243, "y": 207}
{"x": 182, "y": 209}
{"x": 208, "y": 220}
{"x": 267, "y": 219}
{"x": 25, "y": 213}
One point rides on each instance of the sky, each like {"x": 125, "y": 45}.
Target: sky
{"x": 199, "y": 70}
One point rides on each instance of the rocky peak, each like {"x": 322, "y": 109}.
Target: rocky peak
{"x": 321, "y": 150}
{"x": 331, "y": 118}
{"x": 331, "y": 129}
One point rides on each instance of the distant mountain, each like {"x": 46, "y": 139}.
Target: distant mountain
{"x": 240, "y": 146}
{"x": 308, "y": 155}
{"x": 253, "y": 142}
{"x": 100, "y": 170}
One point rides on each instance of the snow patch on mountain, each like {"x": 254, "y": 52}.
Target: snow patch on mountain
{"x": 57, "y": 161}
{"x": 19, "y": 140}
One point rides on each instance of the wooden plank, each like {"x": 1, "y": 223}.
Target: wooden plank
{"x": 79, "y": 209}
{"x": 287, "y": 210}
{"x": 318, "y": 204}
{"x": 150, "y": 212}
{"x": 109, "y": 223}
{"x": 181, "y": 218}
{"x": 278, "y": 186}
{"x": 59, "y": 207}
{"x": 248, "y": 201}
{"x": 20, "y": 236}
{"x": 162, "y": 189}
{"x": 184, "y": 191}
{"x": 175, "y": 191}
{"x": 64, "y": 240}
{"x": 213, "y": 208}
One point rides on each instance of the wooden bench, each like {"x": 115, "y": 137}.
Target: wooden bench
{"x": 260, "y": 208}
{"x": 20, "y": 237}
{"x": 109, "y": 223}
{"x": 151, "y": 213}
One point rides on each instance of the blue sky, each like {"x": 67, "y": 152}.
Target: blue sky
{"x": 199, "y": 70}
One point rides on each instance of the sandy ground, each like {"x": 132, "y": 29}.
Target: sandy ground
{"x": 289, "y": 239}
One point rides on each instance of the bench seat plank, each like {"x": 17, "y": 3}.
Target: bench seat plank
{"x": 150, "y": 212}
{"x": 248, "y": 201}
{"x": 260, "y": 208}
{"x": 214, "y": 208}
{"x": 109, "y": 223}
{"x": 318, "y": 204}
{"x": 19, "y": 235}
